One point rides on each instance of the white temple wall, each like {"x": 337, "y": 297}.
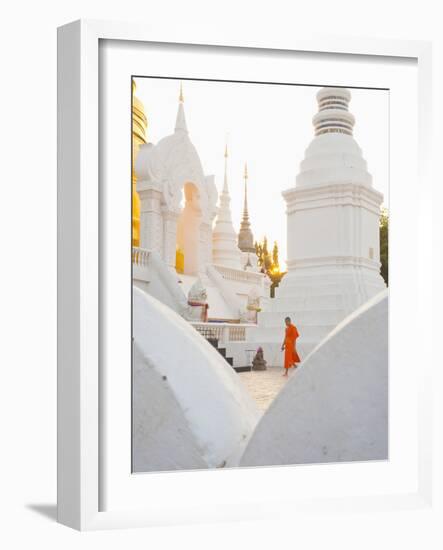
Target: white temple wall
{"x": 341, "y": 230}
{"x": 310, "y": 234}
{"x": 241, "y": 283}
{"x": 370, "y": 236}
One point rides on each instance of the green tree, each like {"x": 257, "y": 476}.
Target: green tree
{"x": 269, "y": 263}
{"x": 259, "y": 252}
{"x": 384, "y": 244}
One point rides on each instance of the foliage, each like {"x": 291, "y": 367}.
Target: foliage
{"x": 269, "y": 263}
{"x": 384, "y": 244}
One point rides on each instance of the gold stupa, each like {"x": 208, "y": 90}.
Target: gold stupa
{"x": 139, "y": 127}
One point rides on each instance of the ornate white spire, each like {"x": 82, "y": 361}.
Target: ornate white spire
{"x": 225, "y": 181}
{"x": 224, "y": 239}
{"x": 245, "y": 237}
{"x": 180, "y": 123}
{"x": 333, "y": 115}
{"x": 333, "y": 156}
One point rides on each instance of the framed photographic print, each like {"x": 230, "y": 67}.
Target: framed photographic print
{"x": 238, "y": 269}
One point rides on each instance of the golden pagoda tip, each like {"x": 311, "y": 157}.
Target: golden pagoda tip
{"x": 226, "y": 150}
{"x": 245, "y": 175}
{"x": 181, "y": 98}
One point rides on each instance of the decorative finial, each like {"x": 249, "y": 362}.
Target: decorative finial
{"x": 226, "y": 151}
{"x": 245, "y": 175}
{"x": 181, "y": 98}
{"x": 333, "y": 115}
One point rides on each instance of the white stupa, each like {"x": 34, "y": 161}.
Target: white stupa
{"x": 225, "y": 251}
{"x": 333, "y": 217}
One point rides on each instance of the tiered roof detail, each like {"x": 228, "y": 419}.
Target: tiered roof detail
{"x": 245, "y": 236}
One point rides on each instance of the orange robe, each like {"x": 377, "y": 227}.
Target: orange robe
{"x": 291, "y": 355}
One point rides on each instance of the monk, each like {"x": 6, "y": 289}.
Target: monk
{"x": 291, "y": 355}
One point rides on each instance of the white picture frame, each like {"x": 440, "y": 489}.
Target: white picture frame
{"x": 80, "y": 410}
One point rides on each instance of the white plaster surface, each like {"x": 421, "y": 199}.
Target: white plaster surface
{"x": 225, "y": 251}
{"x": 200, "y": 415}
{"x": 335, "y": 406}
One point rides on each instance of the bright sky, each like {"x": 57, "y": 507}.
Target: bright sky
{"x": 268, "y": 126}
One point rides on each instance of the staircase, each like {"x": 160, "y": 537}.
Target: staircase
{"x": 222, "y": 351}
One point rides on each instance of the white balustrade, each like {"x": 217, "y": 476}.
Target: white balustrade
{"x": 231, "y": 274}
{"x": 140, "y": 256}
{"x": 223, "y": 332}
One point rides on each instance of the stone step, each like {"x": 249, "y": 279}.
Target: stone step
{"x": 221, "y": 351}
{"x": 243, "y": 369}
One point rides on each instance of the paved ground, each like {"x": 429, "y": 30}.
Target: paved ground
{"x": 264, "y": 385}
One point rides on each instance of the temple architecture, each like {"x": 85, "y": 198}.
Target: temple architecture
{"x": 225, "y": 251}
{"x": 245, "y": 237}
{"x": 333, "y": 254}
{"x": 186, "y": 254}
{"x": 191, "y": 270}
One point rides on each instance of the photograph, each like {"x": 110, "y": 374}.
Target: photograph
{"x": 260, "y": 217}
{"x": 226, "y": 333}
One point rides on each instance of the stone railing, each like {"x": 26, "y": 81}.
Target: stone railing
{"x": 140, "y": 256}
{"x": 223, "y": 332}
{"x": 231, "y": 274}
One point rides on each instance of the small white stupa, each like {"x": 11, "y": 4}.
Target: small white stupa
{"x": 225, "y": 251}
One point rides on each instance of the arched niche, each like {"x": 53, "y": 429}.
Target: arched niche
{"x": 188, "y": 242}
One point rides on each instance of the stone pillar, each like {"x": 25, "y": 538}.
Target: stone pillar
{"x": 170, "y": 218}
{"x": 151, "y": 230}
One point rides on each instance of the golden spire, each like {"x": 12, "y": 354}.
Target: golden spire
{"x": 139, "y": 136}
{"x": 226, "y": 150}
{"x": 245, "y": 237}
{"x": 181, "y": 98}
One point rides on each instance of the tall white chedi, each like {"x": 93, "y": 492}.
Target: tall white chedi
{"x": 225, "y": 251}
{"x": 333, "y": 213}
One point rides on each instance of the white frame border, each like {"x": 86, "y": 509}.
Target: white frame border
{"x": 78, "y": 259}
